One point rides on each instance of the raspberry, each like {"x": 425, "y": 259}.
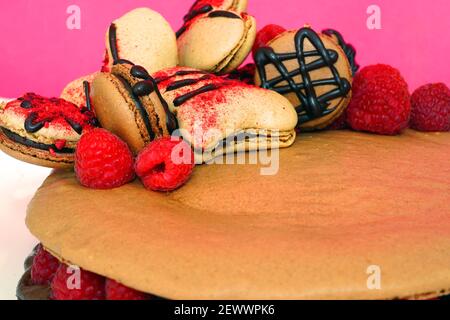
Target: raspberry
{"x": 44, "y": 267}
{"x": 103, "y": 161}
{"x": 161, "y": 169}
{"x": 381, "y": 101}
{"x": 116, "y": 291}
{"x": 265, "y": 35}
{"x": 431, "y": 108}
{"x": 67, "y": 285}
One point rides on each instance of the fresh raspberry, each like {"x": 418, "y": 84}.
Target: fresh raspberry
{"x": 430, "y": 109}
{"x": 44, "y": 267}
{"x": 265, "y": 35}
{"x": 71, "y": 284}
{"x": 161, "y": 167}
{"x": 117, "y": 291}
{"x": 103, "y": 161}
{"x": 381, "y": 101}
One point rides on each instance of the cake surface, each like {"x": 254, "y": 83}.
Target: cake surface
{"x": 340, "y": 203}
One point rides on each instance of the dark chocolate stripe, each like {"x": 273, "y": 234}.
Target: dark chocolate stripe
{"x": 193, "y": 13}
{"x": 186, "y": 97}
{"x": 349, "y": 50}
{"x": 223, "y": 14}
{"x": 311, "y": 106}
{"x": 137, "y": 102}
{"x": 31, "y": 126}
{"x": 171, "y": 120}
{"x": 32, "y": 144}
{"x": 113, "y": 43}
{"x": 180, "y": 74}
{"x": 186, "y": 82}
{"x": 87, "y": 94}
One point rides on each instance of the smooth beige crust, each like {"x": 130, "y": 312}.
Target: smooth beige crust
{"x": 35, "y": 156}
{"x": 285, "y": 43}
{"x": 341, "y": 202}
{"x": 74, "y": 91}
{"x": 145, "y": 38}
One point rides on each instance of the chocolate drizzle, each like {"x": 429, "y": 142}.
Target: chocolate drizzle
{"x": 26, "y": 104}
{"x": 311, "y": 106}
{"x": 146, "y": 87}
{"x": 33, "y": 144}
{"x": 113, "y": 43}
{"x": 193, "y": 13}
{"x": 143, "y": 88}
{"x": 186, "y": 82}
{"x": 31, "y": 126}
{"x": 349, "y": 50}
{"x": 224, "y": 14}
{"x": 179, "y": 74}
{"x": 185, "y": 97}
{"x": 87, "y": 94}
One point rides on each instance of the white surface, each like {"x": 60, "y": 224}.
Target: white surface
{"x": 18, "y": 183}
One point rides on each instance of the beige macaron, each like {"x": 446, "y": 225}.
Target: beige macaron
{"x": 127, "y": 102}
{"x": 144, "y": 37}
{"x": 220, "y": 116}
{"x": 217, "y": 41}
{"x": 75, "y": 91}
{"x": 311, "y": 70}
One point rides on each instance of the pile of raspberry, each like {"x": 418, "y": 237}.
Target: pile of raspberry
{"x": 382, "y": 104}
{"x": 70, "y": 283}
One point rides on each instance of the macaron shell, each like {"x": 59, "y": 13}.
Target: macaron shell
{"x": 74, "y": 91}
{"x": 145, "y": 38}
{"x": 240, "y": 53}
{"x": 116, "y": 111}
{"x": 35, "y": 156}
{"x": 226, "y": 110}
{"x": 301, "y": 234}
{"x": 284, "y": 43}
{"x": 202, "y": 46}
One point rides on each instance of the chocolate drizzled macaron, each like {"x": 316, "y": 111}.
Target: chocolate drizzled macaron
{"x": 128, "y": 103}
{"x": 144, "y": 37}
{"x": 42, "y": 131}
{"x": 202, "y": 46}
{"x": 220, "y": 116}
{"x": 311, "y": 70}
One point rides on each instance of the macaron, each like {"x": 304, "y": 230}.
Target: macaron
{"x": 75, "y": 91}
{"x": 217, "y": 41}
{"x": 128, "y": 103}
{"x": 144, "y": 37}
{"x": 310, "y": 69}
{"x": 42, "y": 131}
{"x": 221, "y": 116}
{"x": 201, "y": 7}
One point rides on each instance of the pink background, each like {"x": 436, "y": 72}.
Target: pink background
{"x": 38, "y": 53}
